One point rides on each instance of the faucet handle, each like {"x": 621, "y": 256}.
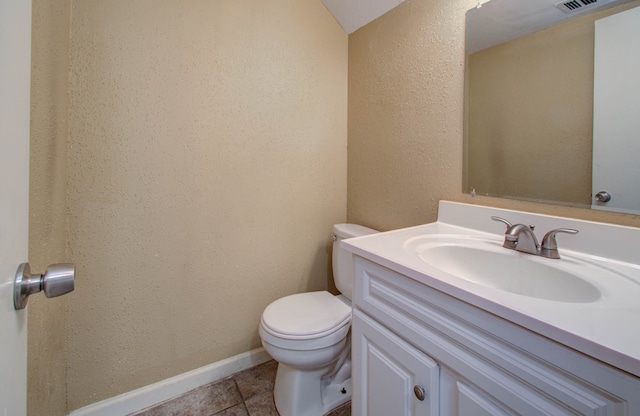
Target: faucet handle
{"x": 550, "y": 245}
{"x": 502, "y": 220}
{"x": 509, "y": 241}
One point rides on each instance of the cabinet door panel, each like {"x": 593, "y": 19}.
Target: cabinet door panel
{"x": 387, "y": 370}
{"x": 473, "y": 403}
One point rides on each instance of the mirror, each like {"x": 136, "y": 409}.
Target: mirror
{"x": 529, "y": 99}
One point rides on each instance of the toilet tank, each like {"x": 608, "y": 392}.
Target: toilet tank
{"x": 342, "y": 261}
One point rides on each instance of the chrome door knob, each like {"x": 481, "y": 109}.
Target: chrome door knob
{"x": 603, "y": 196}
{"x": 57, "y": 280}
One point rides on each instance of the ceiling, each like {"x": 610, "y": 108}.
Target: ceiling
{"x": 353, "y": 14}
{"x": 499, "y": 21}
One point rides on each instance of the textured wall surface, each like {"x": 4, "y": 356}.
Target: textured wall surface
{"x": 207, "y": 164}
{"x": 47, "y": 198}
{"x": 406, "y": 74}
{"x": 406, "y": 91}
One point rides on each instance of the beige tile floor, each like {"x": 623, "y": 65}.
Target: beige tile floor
{"x": 247, "y": 393}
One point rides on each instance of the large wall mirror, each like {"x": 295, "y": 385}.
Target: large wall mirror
{"x": 535, "y": 116}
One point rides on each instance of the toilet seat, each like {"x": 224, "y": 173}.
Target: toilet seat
{"x": 306, "y": 316}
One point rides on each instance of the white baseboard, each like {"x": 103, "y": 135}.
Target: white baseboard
{"x": 144, "y": 397}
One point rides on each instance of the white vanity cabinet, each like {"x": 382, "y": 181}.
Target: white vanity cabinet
{"x": 468, "y": 362}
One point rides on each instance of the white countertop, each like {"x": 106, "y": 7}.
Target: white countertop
{"x": 607, "y": 329}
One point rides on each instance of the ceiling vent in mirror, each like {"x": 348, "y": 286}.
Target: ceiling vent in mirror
{"x": 574, "y": 6}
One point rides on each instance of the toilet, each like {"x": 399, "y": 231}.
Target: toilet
{"x": 308, "y": 335}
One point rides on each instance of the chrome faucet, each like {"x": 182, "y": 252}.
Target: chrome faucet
{"x": 521, "y": 238}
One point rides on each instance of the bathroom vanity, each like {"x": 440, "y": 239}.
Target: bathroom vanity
{"x": 448, "y": 322}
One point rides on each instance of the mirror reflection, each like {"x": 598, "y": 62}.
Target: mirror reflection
{"x": 529, "y": 102}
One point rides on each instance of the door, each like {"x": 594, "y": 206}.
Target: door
{"x": 616, "y": 112}
{"x": 390, "y": 376}
{"x": 15, "y": 61}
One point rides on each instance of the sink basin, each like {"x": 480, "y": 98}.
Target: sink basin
{"x": 489, "y": 264}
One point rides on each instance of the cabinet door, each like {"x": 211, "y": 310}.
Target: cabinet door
{"x": 390, "y": 376}
{"x": 471, "y": 402}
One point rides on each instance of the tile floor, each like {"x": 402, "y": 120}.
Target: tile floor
{"x": 247, "y": 393}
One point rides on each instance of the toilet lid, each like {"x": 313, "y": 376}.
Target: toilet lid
{"x": 306, "y": 314}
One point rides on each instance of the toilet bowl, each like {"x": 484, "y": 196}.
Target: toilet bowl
{"x": 308, "y": 334}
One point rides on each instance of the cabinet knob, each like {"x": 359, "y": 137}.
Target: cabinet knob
{"x": 419, "y": 392}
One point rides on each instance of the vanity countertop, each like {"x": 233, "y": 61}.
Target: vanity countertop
{"x": 607, "y": 329}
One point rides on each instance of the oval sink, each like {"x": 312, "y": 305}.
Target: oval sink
{"x": 493, "y": 266}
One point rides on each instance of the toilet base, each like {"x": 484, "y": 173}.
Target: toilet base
{"x": 311, "y": 393}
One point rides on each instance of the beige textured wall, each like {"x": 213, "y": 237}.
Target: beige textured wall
{"x": 406, "y": 91}
{"x": 207, "y": 163}
{"x": 47, "y": 213}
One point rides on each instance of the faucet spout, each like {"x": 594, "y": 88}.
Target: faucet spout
{"x": 522, "y": 238}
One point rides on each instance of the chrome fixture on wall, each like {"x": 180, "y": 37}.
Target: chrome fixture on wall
{"x": 57, "y": 280}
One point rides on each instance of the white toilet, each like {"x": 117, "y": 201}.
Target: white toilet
{"x": 308, "y": 334}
